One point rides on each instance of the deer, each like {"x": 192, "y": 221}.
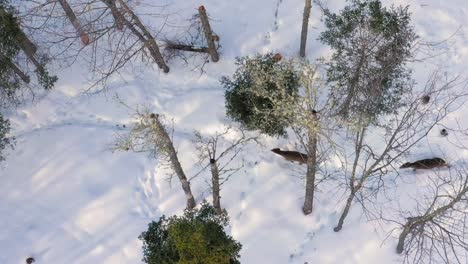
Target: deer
{"x": 425, "y": 164}
{"x": 291, "y": 155}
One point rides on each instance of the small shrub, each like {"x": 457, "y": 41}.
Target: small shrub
{"x": 197, "y": 237}
{"x": 246, "y": 92}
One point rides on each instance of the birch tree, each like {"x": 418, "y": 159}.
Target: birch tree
{"x": 150, "y": 134}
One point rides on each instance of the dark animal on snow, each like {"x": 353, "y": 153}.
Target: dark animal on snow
{"x": 444, "y": 132}
{"x": 425, "y": 164}
{"x": 291, "y": 155}
{"x": 425, "y": 99}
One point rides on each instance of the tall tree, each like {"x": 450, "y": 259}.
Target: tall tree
{"x": 218, "y": 152}
{"x": 271, "y": 102}
{"x": 400, "y": 132}
{"x": 150, "y": 134}
{"x": 255, "y": 87}
{"x": 436, "y": 229}
{"x": 12, "y": 77}
{"x": 367, "y": 71}
{"x": 305, "y": 26}
{"x": 75, "y": 22}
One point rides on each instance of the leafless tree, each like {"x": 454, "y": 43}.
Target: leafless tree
{"x": 75, "y": 22}
{"x": 370, "y": 163}
{"x": 25, "y": 54}
{"x": 219, "y": 151}
{"x": 113, "y": 30}
{"x": 436, "y": 230}
{"x": 150, "y": 134}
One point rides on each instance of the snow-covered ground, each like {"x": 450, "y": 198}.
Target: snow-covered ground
{"x": 65, "y": 198}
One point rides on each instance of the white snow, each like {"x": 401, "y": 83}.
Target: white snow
{"x": 65, "y": 198}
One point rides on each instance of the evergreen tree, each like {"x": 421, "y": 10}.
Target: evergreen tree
{"x": 245, "y": 92}
{"x": 5, "y": 141}
{"x": 367, "y": 71}
{"x": 9, "y": 81}
{"x": 12, "y": 78}
{"x": 197, "y": 237}
{"x": 9, "y": 49}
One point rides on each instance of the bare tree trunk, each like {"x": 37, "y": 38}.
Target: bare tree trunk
{"x": 344, "y": 111}
{"x": 27, "y": 47}
{"x": 415, "y": 222}
{"x": 15, "y": 68}
{"x": 401, "y": 239}
{"x": 186, "y": 48}
{"x": 215, "y": 183}
{"x": 75, "y": 22}
{"x": 208, "y": 34}
{"x": 311, "y": 167}
{"x": 119, "y": 23}
{"x": 24, "y": 42}
{"x": 305, "y": 25}
{"x": 33, "y": 60}
{"x": 344, "y": 213}
{"x": 353, "y": 187}
{"x": 174, "y": 160}
{"x": 146, "y": 37}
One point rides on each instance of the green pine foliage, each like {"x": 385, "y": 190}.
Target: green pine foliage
{"x": 9, "y": 82}
{"x": 45, "y": 79}
{"x": 197, "y": 237}
{"x": 9, "y": 49}
{"x": 5, "y": 141}
{"x": 245, "y": 92}
{"x": 371, "y": 45}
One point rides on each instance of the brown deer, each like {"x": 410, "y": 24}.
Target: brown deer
{"x": 291, "y": 155}
{"x": 425, "y": 164}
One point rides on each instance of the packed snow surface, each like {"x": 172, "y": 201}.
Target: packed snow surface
{"x": 66, "y": 198}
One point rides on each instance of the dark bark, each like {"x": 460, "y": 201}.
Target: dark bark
{"x": 119, "y": 23}
{"x": 345, "y": 213}
{"x": 24, "y": 42}
{"x": 353, "y": 86}
{"x": 187, "y": 48}
{"x": 353, "y": 187}
{"x": 15, "y": 69}
{"x": 401, "y": 239}
{"x": 33, "y": 60}
{"x": 305, "y": 25}
{"x": 208, "y": 34}
{"x": 75, "y": 22}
